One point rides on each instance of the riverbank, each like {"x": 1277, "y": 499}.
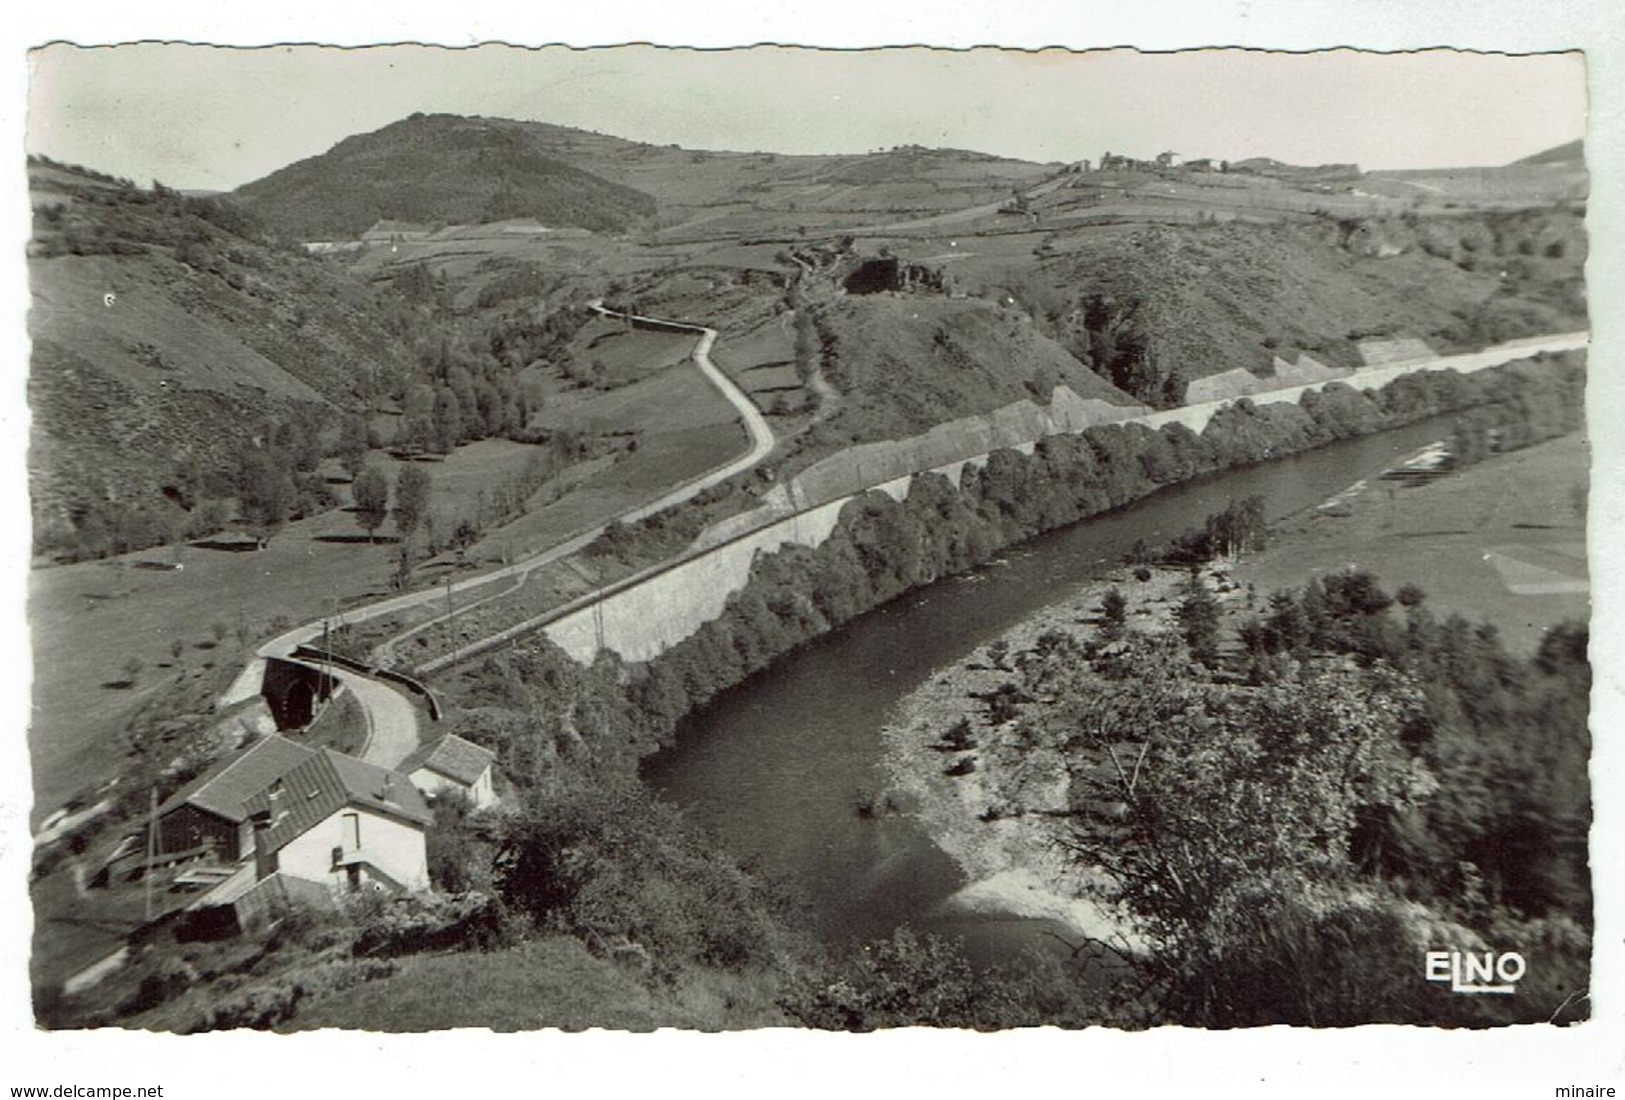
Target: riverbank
{"x": 1001, "y": 808}
{"x": 998, "y": 807}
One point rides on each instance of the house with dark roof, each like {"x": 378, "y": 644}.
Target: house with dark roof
{"x": 450, "y": 763}
{"x": 210, "y": 814}
{"x": 344, "y": 823}
{"x": 311, "y": 814}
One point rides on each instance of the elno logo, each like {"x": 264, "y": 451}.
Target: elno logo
{"x": 1476, "y": 971}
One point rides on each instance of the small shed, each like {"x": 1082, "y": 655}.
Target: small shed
{"x": 211, "y": 811}
{"x": 451, "y": 763}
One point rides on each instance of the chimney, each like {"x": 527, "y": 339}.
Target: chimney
{"x": 264, "y": 858}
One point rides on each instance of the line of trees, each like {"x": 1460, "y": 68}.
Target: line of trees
{"x": 553, "y": 721}
{"x": 882, "y": 547}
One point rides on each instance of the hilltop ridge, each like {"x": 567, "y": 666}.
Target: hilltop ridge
{"x": 438, "y": 169}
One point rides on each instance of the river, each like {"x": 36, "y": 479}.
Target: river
{"x": 775, "y": 766}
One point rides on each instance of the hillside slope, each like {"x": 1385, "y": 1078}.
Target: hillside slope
{"x": 166, "y": 330}
{"x": 903, "y": 363}
{"x": 444, "y": 169}
{"x": 440, "y": 170}
{"x": 1152, "y": 307}
{"x": 1572, "y": 152}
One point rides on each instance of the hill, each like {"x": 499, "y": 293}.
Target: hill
{"x": 447, "y": 169}
{"x": 1572, "y": 152}
{"x": 439, "y": 170}
{"x": 166, "y": 331}
{"x": 1152, "y": 307}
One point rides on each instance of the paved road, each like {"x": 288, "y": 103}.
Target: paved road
{"x": 393, "y": 720}
{"x": 761, "y": 436}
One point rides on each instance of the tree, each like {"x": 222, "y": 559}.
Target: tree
{"x": 1114, "y": 610}
{"x": 417, "y": 430}
{"x": 1198, "y": 615}
{"x": 403, "y": 565}
{"x": 266, "y": 497}
{"x": 352, "y": 444}
{"x": 411, "y": 499}
{"x": 371, "y": 494}
{"x": 1239, "y": 810}
{"x": 448, "y": 421}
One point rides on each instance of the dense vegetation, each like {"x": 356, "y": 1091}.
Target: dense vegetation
{"x": 1288, "y": 845}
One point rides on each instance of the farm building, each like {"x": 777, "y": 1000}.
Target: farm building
{"x": 389, "y": 231}
{"x": 211, "y": 811}
{"x": 344, "y": 823}
{"x": 309, "y": 814}
{"x": 453, "y": 764}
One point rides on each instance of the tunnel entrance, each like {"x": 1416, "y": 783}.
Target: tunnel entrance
{"x": 876, "y": 276}
{"x": 292, "y": 690}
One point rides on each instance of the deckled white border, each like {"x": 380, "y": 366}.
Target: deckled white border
{"x": 798, "y": 1063}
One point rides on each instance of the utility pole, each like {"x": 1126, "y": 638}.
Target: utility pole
{"x": 152, "y": 852}
{"x": 451, "y": 613}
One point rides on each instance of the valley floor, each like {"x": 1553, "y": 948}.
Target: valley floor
{"x": 1502, "y": 541}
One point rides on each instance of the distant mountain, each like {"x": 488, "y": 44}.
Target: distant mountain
{"x": 447, "y": 169}
{"x": 1570, "y": 153}
{"x": 439, "y": 170}
{"x": 1269, "y": 166}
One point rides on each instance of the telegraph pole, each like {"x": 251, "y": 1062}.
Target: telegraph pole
{"x": 152, "y": 852}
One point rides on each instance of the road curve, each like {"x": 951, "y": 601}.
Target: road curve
{"x": 761, "y": 436}
{"x": 392, "y": 722}
{"x": 762, "y": 440}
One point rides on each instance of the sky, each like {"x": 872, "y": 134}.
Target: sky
{"x": 216, "y": 117}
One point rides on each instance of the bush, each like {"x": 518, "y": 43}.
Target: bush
{"x": 903, "y": 981}
{"x": 614, "y": 867}
{"x": 462, "y": 923}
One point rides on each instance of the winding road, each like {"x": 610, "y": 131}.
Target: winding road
{"x": 391, "y": 719}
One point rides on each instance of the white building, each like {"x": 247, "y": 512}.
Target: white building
{"x": 453, "y": 764}
{"x": 342, "y": 823}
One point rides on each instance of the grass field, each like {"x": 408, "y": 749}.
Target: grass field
{"x": 88, "y": 619}
{"x": 1500, "y": 541}
{"x": 552, "y": 982}
{"x": 628, "y": 355}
